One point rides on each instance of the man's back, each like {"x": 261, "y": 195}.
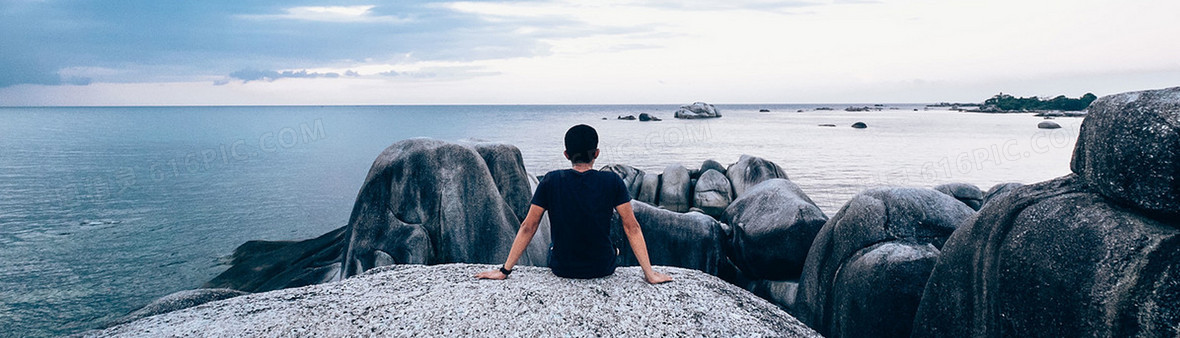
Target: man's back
{"x": 580, "y": 206}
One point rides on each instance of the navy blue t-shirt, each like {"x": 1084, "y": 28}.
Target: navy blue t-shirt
{"x": 580, "y": 206}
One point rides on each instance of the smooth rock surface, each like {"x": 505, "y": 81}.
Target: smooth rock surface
{"x": 1128, "y": 150}
{"x": 445, "y": 301}
{"x": 967, "y": 193}
{"x": 711, "y": 164}
{"x": 676, "y": 188}
{"x": 881, "y": 288}
{"x": 751, "y": 170}
{"x": 908, "y": 216}
{"x": 697, "y": 110}
{"x": 711, "y": 193}
{"x": 632, "y": 178}
{"x": 689, "y": 240}
{"x": 1055, "y": 259}
{"x": 773, "y": 225}
{"x": 649, "y": 191}
{"x": 860, "y": 125}
{"x": 1048, "y": 125}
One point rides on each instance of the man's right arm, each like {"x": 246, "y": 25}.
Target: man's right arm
{"x": 638, "y": 245}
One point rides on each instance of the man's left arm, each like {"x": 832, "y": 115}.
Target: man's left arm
{"x": 528, "y": 228}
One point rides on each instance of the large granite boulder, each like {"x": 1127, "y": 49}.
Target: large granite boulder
{"x": 967, "y": 193}
{"x": 632, "y": 178}
{"x": 689, "y": 240}
{"x": 697, "y": 110}
{"x": 711, "y": 164}
{"x": 1090, "y": 254}
{"x": 999, "y": 190}
{"x": 751, "y": 170}
{"x": 1128, "y": 150}
{"x": 444, "y": 301}
{"x": 1056, "y": 259}
{"x": 773, "y": 225}
{"x": 676, "y": 188}
{"x": 649, "y": 191}
{"x": 424, "y": 201}
{"x": 869, "y": 262}
{"x": 712, "y": 193}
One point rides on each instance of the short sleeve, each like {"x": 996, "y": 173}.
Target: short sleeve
{"x": 620, "y": 195}
{"x": 541, "y": 195}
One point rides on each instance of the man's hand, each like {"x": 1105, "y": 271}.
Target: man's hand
{"x": 654, "y": 277}
{"x": 492, "y": 274}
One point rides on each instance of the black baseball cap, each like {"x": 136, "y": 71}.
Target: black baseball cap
{"x": 580, "y": 139}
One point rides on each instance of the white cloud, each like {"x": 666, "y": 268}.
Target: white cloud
{"x": 331, "y": 14}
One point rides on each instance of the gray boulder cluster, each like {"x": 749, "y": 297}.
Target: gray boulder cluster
{"x": 697, "y": 110}
{"x": 1094, "y": 253}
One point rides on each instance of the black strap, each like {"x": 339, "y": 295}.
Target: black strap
{"x": 504, "y": 271}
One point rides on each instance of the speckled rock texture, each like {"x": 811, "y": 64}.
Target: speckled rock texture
{"x": 1129, "y": 150}
{"x": 178, "y": 301}
{"x": 446, "y": 301}
{"x": 1055, "y": 259}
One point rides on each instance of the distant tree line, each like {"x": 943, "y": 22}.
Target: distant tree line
{"x": 1005, "y": 102}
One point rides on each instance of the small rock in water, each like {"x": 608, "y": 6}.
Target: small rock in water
{"x": 827, "y": 125}
{"x": 860, "y": 125}
{"x": 1048, "y": 125}
{"x": 763, "y": 110}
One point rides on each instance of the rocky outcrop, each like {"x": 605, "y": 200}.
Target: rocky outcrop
{"x": 689, "y": 240}
{"x": 711, "y": 164}
{"x": 869, "y": 262}
{"x": 649, "y": 191}
{"x": 632, "y": 177}
{"x": 444, "y": 300}
{"x": 697, "y": 110}
{"x": 712, "y": 193}
{"x": 967, "y": 193}
{"x": 676, "y": 188}
{"x": 1089, "y": 254}
{"x": 1048, "y": 125}
{"x": 424, "y": 201}
{"x": 1129, "y": 150}
{"x": 773, "y": 225}
{"x": 1055, "y": 259}
{"x": 751, "y": 170}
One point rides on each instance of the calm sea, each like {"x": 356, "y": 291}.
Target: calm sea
{"x": 103, "y": 210}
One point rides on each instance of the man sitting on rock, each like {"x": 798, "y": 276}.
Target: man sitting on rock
{"x": 579, "y": 202}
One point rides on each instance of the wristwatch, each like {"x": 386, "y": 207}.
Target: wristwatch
{"x": 504, "y": 271}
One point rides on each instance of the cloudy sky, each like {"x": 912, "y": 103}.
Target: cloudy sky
{"x": 133, "y": 52}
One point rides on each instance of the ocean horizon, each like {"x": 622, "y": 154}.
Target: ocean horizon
{"x": 104, "y": 209}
